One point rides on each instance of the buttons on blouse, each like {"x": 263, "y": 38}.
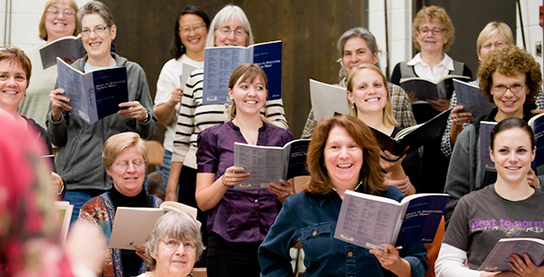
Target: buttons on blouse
{"x": 256, "y": 200}
{"x": 314, "y": 233}
{"x": 350, "y": 254}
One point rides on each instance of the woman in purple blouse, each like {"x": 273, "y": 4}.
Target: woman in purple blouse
{"x": 239, "y": 219}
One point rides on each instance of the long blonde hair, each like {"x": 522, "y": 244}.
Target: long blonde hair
{"x": 388, "y": 115}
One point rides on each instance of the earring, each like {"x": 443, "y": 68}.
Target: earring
{"x": 182, "y": 48}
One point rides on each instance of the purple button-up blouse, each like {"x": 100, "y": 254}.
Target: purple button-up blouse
{"x": 241, "y": 215}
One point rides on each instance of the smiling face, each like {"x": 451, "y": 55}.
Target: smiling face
{"x": 13, "y": 83}
{"x": 509, "y": 104}
{"x": 177, "y": 261}
{"x": 512, "y": 155}
{"x": 490, "y": 45}
{"x": 343, "y": 159}
{"x": 97, "y": 45}
{"x": 194, "y": 41}
{"x": 59, "y": 25}
{"x": 430, "y": 42}
{"x": 249, "y": 97}
{"x": 369, "y": 92}
{"x": 236, "y": 37}
{"x": 128, "y": 171}
{"x": 356, "y": 52}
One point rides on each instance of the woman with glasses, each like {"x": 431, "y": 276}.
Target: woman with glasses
{"x": 510, "y": 78}
{"x": 230, "y": 27}
{"x": 125, "y": 160}
{"x": 58, "y": 21}
{"x": 190, "y": 31}
{"x": 433, "y": 34}
{"x": 173, "y": 246}
{"x": 78, "y": 160}
{"x": 495, "y": 35}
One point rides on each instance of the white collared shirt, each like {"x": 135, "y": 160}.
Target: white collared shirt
{"x": 425, "y": 71}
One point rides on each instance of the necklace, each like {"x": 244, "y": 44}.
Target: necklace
{"x": 249, "y": 138}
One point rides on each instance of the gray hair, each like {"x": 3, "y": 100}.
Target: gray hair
{"x": 227, "y": 13}
{"x": 175, "y": 225}
{"x": 98, "y": 8}
{"x": 360, "y": 32}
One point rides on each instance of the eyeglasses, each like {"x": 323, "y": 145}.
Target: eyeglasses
{"x": 175, "y": 243}
{"x": 497, "y": 44}
{"x": 435, "y": 31}
{"x": 514, "y": 88}
{"x": 55, "y": 10}
{"x": 98, "y": 30}
{"x": 237, "y": 32}
{"x": 123, "y": 165}
{"x": 187, "y": 30}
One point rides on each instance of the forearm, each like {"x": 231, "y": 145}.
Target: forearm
{"x": 450, "y": 263}
{"x": 403, "y": 269}
{"x": 173, "y": 182}
{"x": 209, "y": 192}
{"x": 165, "y": 112}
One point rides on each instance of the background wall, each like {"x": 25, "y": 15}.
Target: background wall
{"x": 309, "y": 31}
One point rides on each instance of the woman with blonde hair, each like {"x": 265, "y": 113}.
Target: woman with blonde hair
{"x": 125, "y": 160}
{"x": 58, "y": 20}
{"x": 368, "y": 93}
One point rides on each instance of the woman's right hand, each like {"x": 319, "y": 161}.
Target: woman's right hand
{"x": 234, "y": 175}
{"x": 175, "y": 98}
{"x": 458, "y": 119}
{"x": 59, "y": 102}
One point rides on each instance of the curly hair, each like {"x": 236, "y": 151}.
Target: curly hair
{"x": 388, "y": 115}
{"x": 371, "y": 172}
{"x": 510, "y": 61}
{"x": 433, "y": 13}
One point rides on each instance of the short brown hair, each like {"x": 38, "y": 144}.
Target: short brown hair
{"x": 43, "y": 31}
{"x": 119, "y": 142}
{"x": 246, "y": 72}
{"x": 15, "y": 55}
{"x": 388, "y": 115}
{"x": 371, "y": 172}
{"x": 96, "y": 7}
{"x": 434, "y": 13}
{"x": 510, "y": 61}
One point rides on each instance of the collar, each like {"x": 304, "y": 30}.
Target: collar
{"x": 446, "y": 62}
{"x": 333, "y": 195}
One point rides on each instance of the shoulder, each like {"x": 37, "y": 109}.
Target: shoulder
{"x": 478, "y": 195}
{"x": 273, "y": 129}
{"x": 171, "y": 65}
{"x": 93, "y": 204}
{"x": 214, "y": 130}
{"x": 392, "y": 193}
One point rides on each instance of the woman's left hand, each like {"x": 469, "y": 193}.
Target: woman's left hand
{"x": 524, "y": 266}
{"x": 390, "y": 260}
{"x": 282, "y": 190}
{"x": 439, "y": 104}
{"x": 392, "y": 164}
{"x": 532, "y": 179}
{"x": 133, "y": 109}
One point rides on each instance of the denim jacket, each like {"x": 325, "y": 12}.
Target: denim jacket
{"x": 311, "y": 219}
